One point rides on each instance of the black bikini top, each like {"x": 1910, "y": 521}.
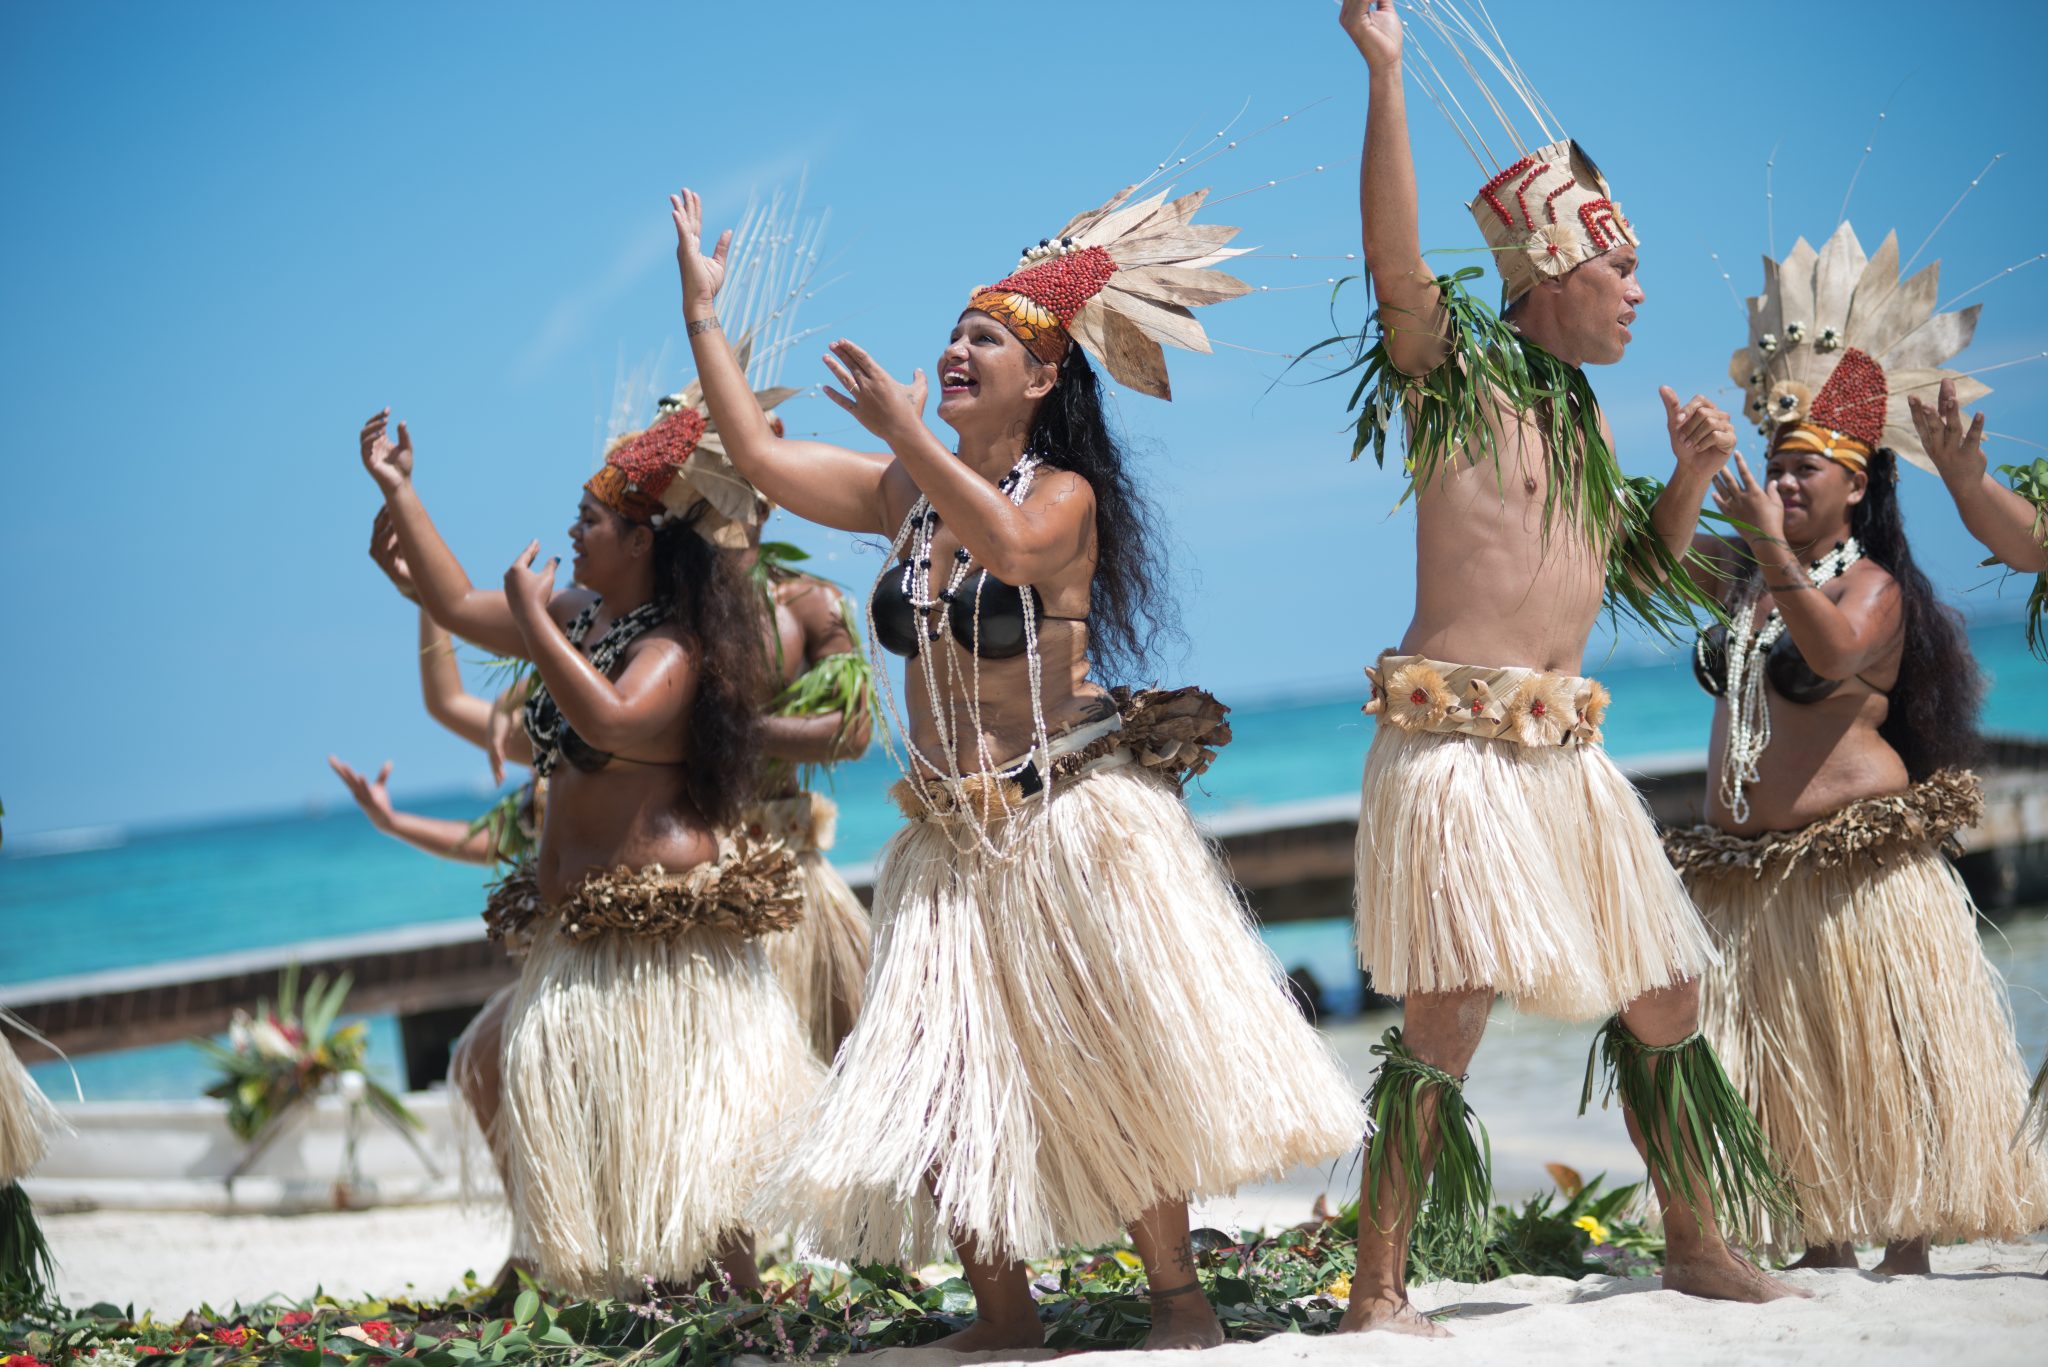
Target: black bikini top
{"x": 1785, "y": 669}
{"x": 902, "y": 630}
{"x": 552, "y": 737}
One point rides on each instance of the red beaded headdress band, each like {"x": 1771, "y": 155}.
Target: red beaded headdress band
{"x": 1121, "y": 281}
{"x": 1547, "y": 213}
{"x": 1836, "y": 344}
{"x": 680, "y": 461}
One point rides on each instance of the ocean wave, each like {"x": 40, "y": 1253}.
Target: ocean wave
{"x": 77, "y": 840}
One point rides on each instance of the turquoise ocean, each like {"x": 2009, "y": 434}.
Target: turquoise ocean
{"x": 89, "y": 901}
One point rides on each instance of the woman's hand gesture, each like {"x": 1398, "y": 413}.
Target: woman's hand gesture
{"x": 529, "y": 590}
{"x": 389, "y": 557}
{"x": 1757, "y": 507}
{"x": 888, "y": 408}
{"x": 370, "y": 794}
{"x": 389, "y": 462}
{"x": 1956, "y": 447}
{"x": 702, "y": 275}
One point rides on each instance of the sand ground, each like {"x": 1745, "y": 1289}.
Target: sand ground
{"x": 1987, "y": 1303}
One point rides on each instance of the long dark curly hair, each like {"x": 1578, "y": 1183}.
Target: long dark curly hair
{"x": 1131, "y": 609}
{"x": 718, "y": 612}
{"x": 1933, "y": 718}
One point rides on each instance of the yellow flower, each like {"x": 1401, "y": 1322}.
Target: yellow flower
{"x": 1595, "y": 1231}
{"x": 1340, "y": 1289}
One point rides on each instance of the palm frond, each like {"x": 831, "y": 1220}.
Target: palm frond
{"x": 1703, "y": 1143}
{"x": 2030, "y": 482}
{"x": 1452, "y": 1222}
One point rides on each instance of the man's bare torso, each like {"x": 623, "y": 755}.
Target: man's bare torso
{"x": 1491, "y": 587}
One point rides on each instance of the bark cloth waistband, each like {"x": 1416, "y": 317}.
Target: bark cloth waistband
{"x": 751, "y": 889}
{"x": 1929, "y": 812}
{"x": 805, "y": 822}
{"x": 1533, "y": 707}
{"x": 1173, "y": 732}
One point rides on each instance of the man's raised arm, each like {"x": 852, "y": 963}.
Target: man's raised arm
{"x": 1410, "y": 305}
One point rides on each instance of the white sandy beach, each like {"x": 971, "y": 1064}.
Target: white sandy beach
{"x": 1987, "y": 1304}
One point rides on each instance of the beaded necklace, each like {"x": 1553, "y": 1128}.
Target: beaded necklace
{"x": 1749, "y": 714}
{"x": 913, "y": 546}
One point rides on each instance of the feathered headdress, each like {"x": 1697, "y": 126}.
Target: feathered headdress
{"x": 1836, "y": 344}
{"x": 679, "y": 460}
{"x": 1547, "y": 208}
{"x": 1121, "y": 281}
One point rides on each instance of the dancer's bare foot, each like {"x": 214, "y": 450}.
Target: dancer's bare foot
{"x": 984, "y": 1336}
{"x": 1904, "y": 1258}
{"x": 1825, "y": 1255}
{"x": 1183, "y": 1319}
{"x": 1721, "y": 1274}
{"x": 1391, "y": 1313}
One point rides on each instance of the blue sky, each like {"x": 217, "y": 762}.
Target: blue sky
{"x": 235, "y": 230}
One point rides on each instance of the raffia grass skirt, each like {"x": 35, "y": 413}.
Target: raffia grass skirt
{"x": 1857, "y": 1013}
{"x": 28, "y": 1120}
{"x": 643, "y": 1081}
{"x": 1533, "y": 870}
{"x": 1057, "y": 1039}
{"x": 823, "y": 961}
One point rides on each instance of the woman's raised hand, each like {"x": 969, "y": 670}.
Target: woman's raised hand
{"x": 389, "y": 462}
{"x": 1757, "y": 507}
{"x": 527, "y": 589}
{"x": 385, "y": 551}
{"x": 370, "y": 794}
{"x": 1955, "y": 446}
{"x": 878, "y": 400}
{"x": 702, "y": 275}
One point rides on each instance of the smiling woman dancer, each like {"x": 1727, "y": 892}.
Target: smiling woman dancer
{"x": 1070, "y": 1027}
{"x": 648, "y": 1052}
{"x": 1854, "y": 1006}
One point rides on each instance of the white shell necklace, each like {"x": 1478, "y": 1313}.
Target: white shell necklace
{"x": 1749, "y": 713}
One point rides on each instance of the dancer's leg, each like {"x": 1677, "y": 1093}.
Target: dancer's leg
{"x": 1005, "y": 1316}
{"x": 1905, "y": 1258}
{"x": 1443, "y": 1030}
{"x": 1824, "y": 1255}
{"x": 1697, "y": 1260}
{"x": 736, "y": 1260}
{"x": 1181, "y": 1315}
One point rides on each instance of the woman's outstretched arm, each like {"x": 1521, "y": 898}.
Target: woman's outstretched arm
{"x": 2007, "y": 524}
{"x": 819, "y": 482}
{"x": 438, "y": 836}
{"x": 444, "y": 590}
{"x": 1025, "y": 543}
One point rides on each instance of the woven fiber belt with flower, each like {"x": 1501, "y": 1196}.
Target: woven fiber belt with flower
{"x": 1528, "y": 706}
{"x": 1173, "y": 732}
{"x": 751, "y": 889}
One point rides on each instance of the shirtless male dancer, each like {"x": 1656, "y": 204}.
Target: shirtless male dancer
{"x": 1500, "y": 851}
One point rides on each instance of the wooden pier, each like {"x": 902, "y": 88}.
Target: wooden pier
{"x": 1292, "y": 859}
